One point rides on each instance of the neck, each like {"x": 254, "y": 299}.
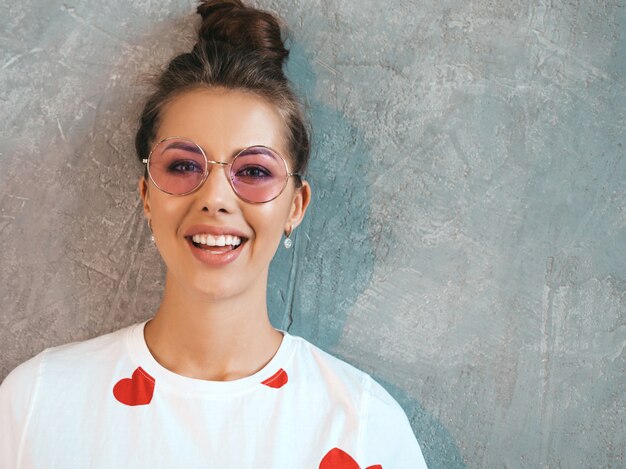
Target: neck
{"x": 217, "y": 340}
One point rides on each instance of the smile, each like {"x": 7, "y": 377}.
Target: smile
{"x": 208, "y": 240}
{"x": 215, "y": 245}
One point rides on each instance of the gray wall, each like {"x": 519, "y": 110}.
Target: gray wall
{"x": 467, "y": 239}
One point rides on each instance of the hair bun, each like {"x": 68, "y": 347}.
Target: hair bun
{"x": 249, "y": 29}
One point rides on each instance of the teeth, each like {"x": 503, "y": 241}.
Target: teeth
{"x": 221, "y": 240}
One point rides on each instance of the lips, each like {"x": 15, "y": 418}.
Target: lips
{"x": 215, "y": 245}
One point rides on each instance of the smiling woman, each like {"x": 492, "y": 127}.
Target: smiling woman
{"x": 224, "y": 126}
{"x": 208, "y": 381}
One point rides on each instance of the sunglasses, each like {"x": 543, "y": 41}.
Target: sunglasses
{"x": 178, "y": 166}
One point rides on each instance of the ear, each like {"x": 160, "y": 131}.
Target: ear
{"x": 300, "y": 202}
{"x": 142, "y": 187}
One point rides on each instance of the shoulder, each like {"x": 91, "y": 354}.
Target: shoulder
{"x": 64, "y": 357}
{"x": 323, "y": 366}
{"x": 16, "y": 389}
{"x": 342, "y": 376}
{"x": 383, "y": 430}
{"x": 53, "y": 370}
{"x": 94, "y": 345}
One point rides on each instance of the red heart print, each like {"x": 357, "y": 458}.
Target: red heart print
{"x": 137, "y": 390}
{"x": 277, "y": 380}
{"x": 339, "y": 459}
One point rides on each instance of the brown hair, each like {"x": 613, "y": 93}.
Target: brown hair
{"x": 238, "y": 48}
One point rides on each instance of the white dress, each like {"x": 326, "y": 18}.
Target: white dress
{"x": 107, "y": 403}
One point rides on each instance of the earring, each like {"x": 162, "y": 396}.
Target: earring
{"x": 288, "y": 242}
{"x": 151, "y": 232}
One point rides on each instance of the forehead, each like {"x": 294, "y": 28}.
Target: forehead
{"x": 222, "y": 121}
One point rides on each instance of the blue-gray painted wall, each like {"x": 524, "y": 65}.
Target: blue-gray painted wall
{"x": 467, "y": 239}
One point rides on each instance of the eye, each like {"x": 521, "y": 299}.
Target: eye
{"x": 253, "y": 172}
{"x": 184, "y": 166}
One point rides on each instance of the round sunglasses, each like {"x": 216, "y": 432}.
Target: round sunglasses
{"x": 178, "y": 166}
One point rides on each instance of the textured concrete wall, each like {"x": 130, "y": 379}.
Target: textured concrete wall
{"x": 467, "y": 240}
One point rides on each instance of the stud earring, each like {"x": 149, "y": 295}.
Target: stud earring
{"x": 288, "y": 242}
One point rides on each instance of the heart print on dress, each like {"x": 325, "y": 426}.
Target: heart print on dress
{"x": 339, "y": 459}
{"x": 136, "y": 390}
{"x": 277, "y": 380}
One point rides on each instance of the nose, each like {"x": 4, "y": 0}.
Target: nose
{"x": 216, "y": 195}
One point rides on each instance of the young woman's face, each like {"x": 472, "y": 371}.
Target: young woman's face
{"x": 222, "y": 122}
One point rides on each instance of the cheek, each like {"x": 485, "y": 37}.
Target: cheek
{"x": 168, "y": 210}
{"x": 268, "y": 220}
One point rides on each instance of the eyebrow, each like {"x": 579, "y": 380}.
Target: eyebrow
{"x": 259, "y": 150}
{"x": 187, "y": 146}
{"x": 195, "y": 148}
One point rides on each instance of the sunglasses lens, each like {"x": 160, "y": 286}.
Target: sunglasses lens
{"x": 177, "y": 166}
{"x": 258, "y": 174}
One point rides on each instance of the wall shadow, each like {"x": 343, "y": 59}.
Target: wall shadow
{"x": 438, "y": 446}
{"x": 314, "y": 286}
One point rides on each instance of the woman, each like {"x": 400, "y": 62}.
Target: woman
{"x": 208, "y": 382}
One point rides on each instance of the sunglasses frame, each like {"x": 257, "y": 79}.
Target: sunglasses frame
{"x": 208, "y": 162}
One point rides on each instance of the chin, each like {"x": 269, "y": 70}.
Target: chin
{"x": 217, "y": 286}
{"x": 214, "y": 290}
